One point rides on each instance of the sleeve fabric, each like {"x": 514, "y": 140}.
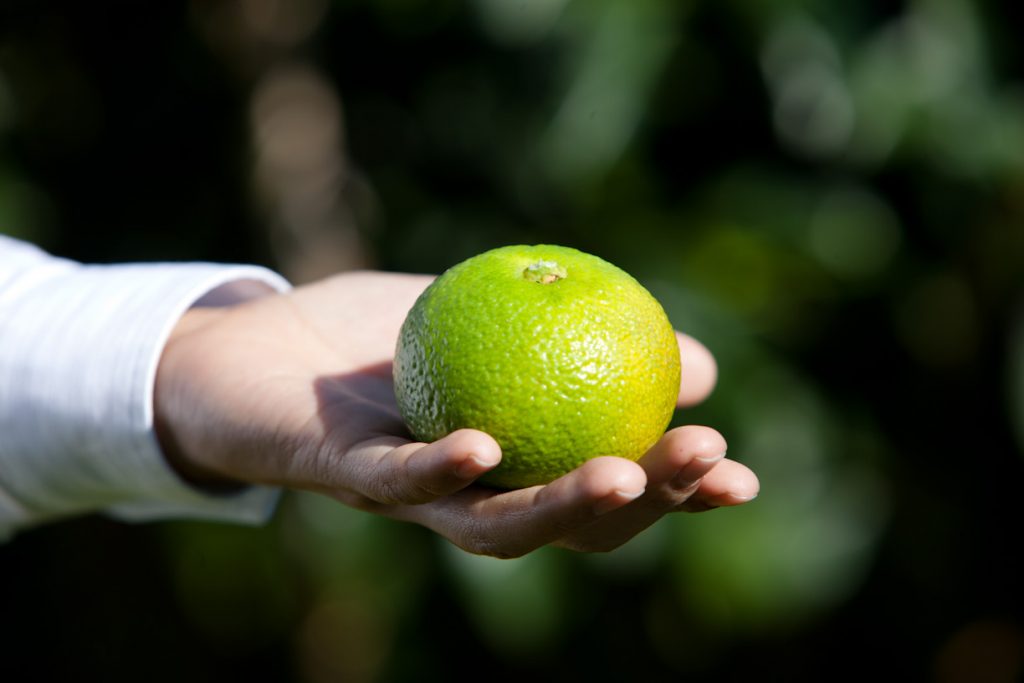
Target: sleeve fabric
{"x": 79, "y": 347}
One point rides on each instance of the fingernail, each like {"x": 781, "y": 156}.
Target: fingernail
{"x": 473, "y": 467}
{"x": 694, "y": 470}
{"x": 731, "y": 499}
{"x": 615, "y": 500}
{"x": 710, "y": 458}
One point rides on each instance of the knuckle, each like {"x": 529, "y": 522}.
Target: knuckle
{"x": 395, "y": 482}
{"x": 377, "y": 483}
{"x": 389, "y": 490}
{"x": 670, "y": 497}
{"x": 478, "y": 542}
{"x": 399, "y": 489}
{"x": 421, "y": 491}
{"x": 312, "y": 465}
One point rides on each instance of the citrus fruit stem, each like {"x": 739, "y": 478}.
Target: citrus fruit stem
{"x": 544, "y": 272}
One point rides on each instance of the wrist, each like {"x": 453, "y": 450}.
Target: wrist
{"x": 174, "y": 414}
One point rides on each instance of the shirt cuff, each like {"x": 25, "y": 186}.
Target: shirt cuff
{"x": 78, "y": 365}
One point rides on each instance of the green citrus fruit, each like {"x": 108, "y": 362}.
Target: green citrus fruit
{"x": 557, "y": 354}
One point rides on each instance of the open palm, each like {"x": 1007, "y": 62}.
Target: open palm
{"x": 295, "y": 390}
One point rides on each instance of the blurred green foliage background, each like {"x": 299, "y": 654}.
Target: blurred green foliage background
{"x": 830, "y": 195}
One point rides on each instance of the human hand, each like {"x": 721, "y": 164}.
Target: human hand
{"x": 295, "y": 390}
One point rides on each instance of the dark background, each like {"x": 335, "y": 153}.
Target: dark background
{"x": 830, "y": 195}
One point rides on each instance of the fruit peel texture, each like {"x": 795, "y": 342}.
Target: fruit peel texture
{"x": 558, "y": 371}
